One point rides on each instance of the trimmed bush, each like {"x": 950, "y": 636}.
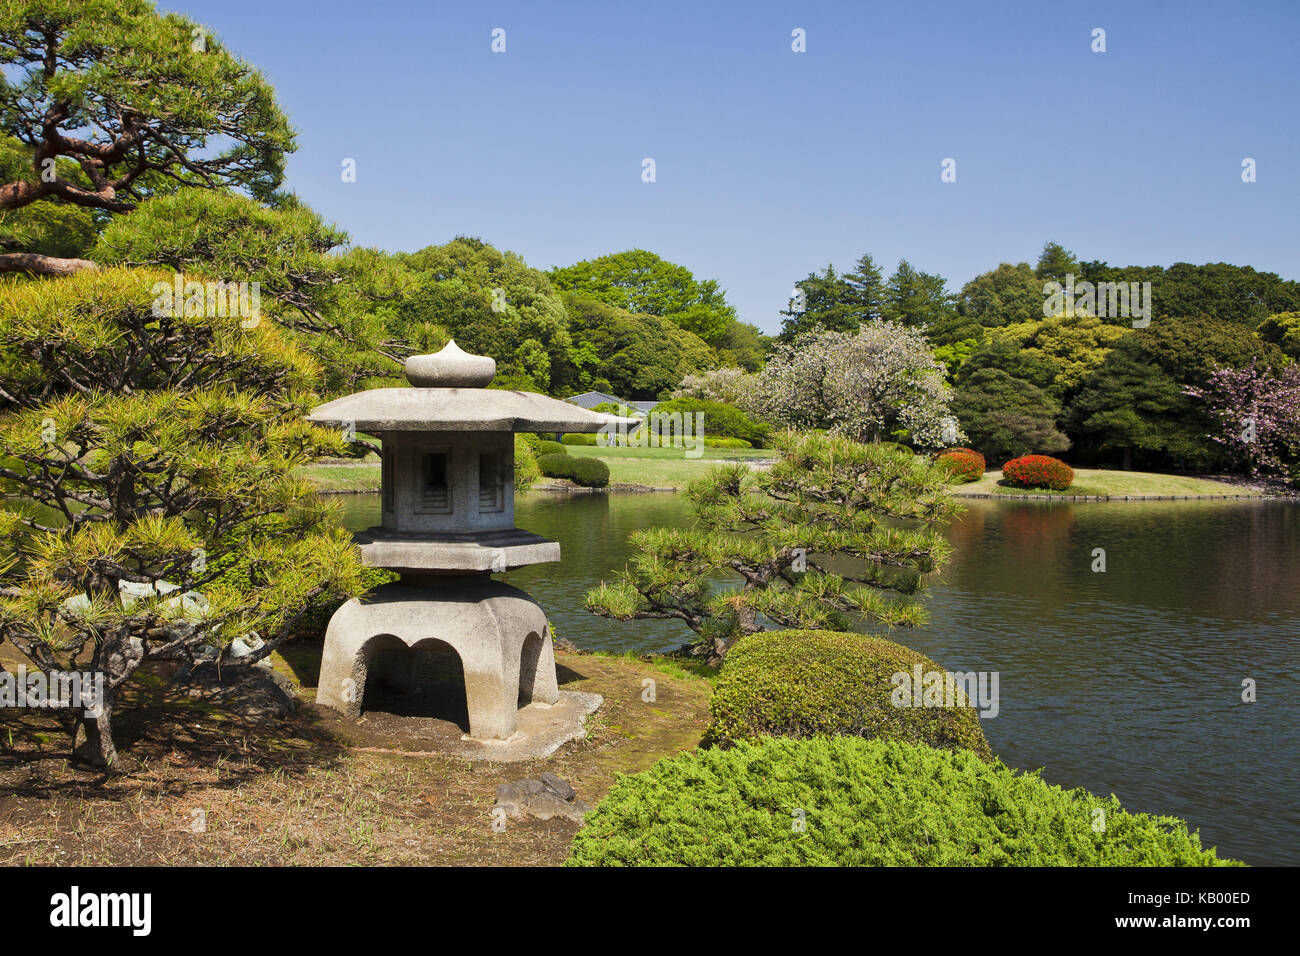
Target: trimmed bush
{"x": 720, "y": 419}
{"x": 590, "y": 472}
{"x": 545, "y": 447}
{"x": 727, "y": 443}
{"x": 830, "y": 683}
{"x": 964, "y": 464}
{"x": 571, "y": 438}
{"x": 1038, "y": 471}
{"x": 844, "y": 801}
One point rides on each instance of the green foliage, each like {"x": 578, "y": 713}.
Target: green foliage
{"x": 865, "y": 803}
{"x": 841, "y": 303}
{"x": 720, "y": 420}
{"x": 528, "y": 448}
{"x": 1005, "y": 417}
{"x": 551, "y": 448}
{"x": 1282, "y": 330}
{"x": 286, "y": 251}
{"x": 577, "y": 438}
{"x": 828, "y": 683}
{"x": 152, "y": 100}
{"x": 1135, "y": 402}
{"x": 588, "y": 472}
{"x": 640, "y": 356}
{"x": 1074, "y": 346}
{"x": 1235, "y": 294}
{"x": 162, "y": 449}
{"x": 1008, "y": 295}
{"x": 865, "y": 518}
{"x": 51, "y": 226}
{"x": 1055, "y": 263}
{"x": 917, "y": 299}
{"x": 233, "y": 238}
{"x": 490, "y": 302}
{"x": 97, "y": 330}
{"x": 640, "y": 282}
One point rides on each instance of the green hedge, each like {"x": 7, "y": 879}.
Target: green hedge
{"x": 829, "y": 683}
{"x": 570, "y": 438}
{"x": 590, "y": 472}
{"x": 844, "y": 801}
{"x": 720, "y": 420}
{"x": 545, "y": 447}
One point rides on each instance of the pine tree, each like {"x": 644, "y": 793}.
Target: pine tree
{"x": 152, "y": 448}
{"x": 819, "y": 541}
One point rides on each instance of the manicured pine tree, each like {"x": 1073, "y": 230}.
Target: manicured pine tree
{"x": 828, "y": 537}
{"x": 151, "y": 450}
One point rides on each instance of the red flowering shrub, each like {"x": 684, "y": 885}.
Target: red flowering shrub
{"x": 1038, "y": 471}
{"x": 964, "y": 464}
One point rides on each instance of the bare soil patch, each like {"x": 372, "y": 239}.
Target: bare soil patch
{"x": 211, "y": 787}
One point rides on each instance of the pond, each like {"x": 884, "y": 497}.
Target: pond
{"x": 1126, "y": 681}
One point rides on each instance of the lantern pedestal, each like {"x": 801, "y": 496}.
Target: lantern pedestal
{"x": 498, "y": 633}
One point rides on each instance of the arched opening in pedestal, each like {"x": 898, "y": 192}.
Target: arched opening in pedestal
{"x": 426, "y": 680}
{"x": 529, "y": 656}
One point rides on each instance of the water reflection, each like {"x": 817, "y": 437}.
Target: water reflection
{"x": 1127, "y": 681}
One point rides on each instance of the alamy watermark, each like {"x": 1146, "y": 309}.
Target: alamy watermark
{"x": 922, "y": 688}
{"x": 53, "y": 690}
{"x": 214, "y": 300}
{"x": 683, "y": 430}
{"x": 1108, "y": 300}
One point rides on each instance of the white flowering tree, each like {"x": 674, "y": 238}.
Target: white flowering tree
{"x": 880, "y": 382}
{"x": 731, "y": 386}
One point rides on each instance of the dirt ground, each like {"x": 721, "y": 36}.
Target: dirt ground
{"x": 208, "y": 787}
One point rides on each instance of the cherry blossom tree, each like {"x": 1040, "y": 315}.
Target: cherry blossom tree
{"x": 1258, "y": 416}
{"x": 878, "y": 383}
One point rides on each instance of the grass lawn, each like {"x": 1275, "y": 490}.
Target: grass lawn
{"x": 677, "y": 473}
{"x": 359, "y": 477}
{"x": 1090, "y": 481}
{"x": 656, "y": 467}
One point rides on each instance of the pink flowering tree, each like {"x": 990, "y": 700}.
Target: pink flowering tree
{"x": 1257, "y": 412}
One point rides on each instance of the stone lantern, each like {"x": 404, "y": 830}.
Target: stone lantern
{"x": 447, "y": 490}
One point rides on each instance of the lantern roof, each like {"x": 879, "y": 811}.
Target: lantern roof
{"x": 448, "y": 394}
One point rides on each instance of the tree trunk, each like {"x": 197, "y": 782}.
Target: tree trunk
{"x": 43, "y": 265}
{"x": 116, "y": 656}
{"x": 97, "y": 748}
{"x": 1128, "y": 458}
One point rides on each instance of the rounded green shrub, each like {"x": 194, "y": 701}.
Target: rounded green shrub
{"x": 545, "y": 447}
{"x": 1038, "y": 471}
{"x": 831, "y": 683}
{"x": 591, "y": 472}
{"x": 844, "y": 801}
{"x": 963, "y": 464}
{"x": 577, "y": 438}
{"x": 727, "y": 443}
{"x": 556, "y": 466}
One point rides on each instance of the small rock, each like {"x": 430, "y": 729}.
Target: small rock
{"x": 557, "y": 786}
{"x": 544, "y": 799}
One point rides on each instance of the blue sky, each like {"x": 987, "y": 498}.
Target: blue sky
{"x": 771, "y": 163}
